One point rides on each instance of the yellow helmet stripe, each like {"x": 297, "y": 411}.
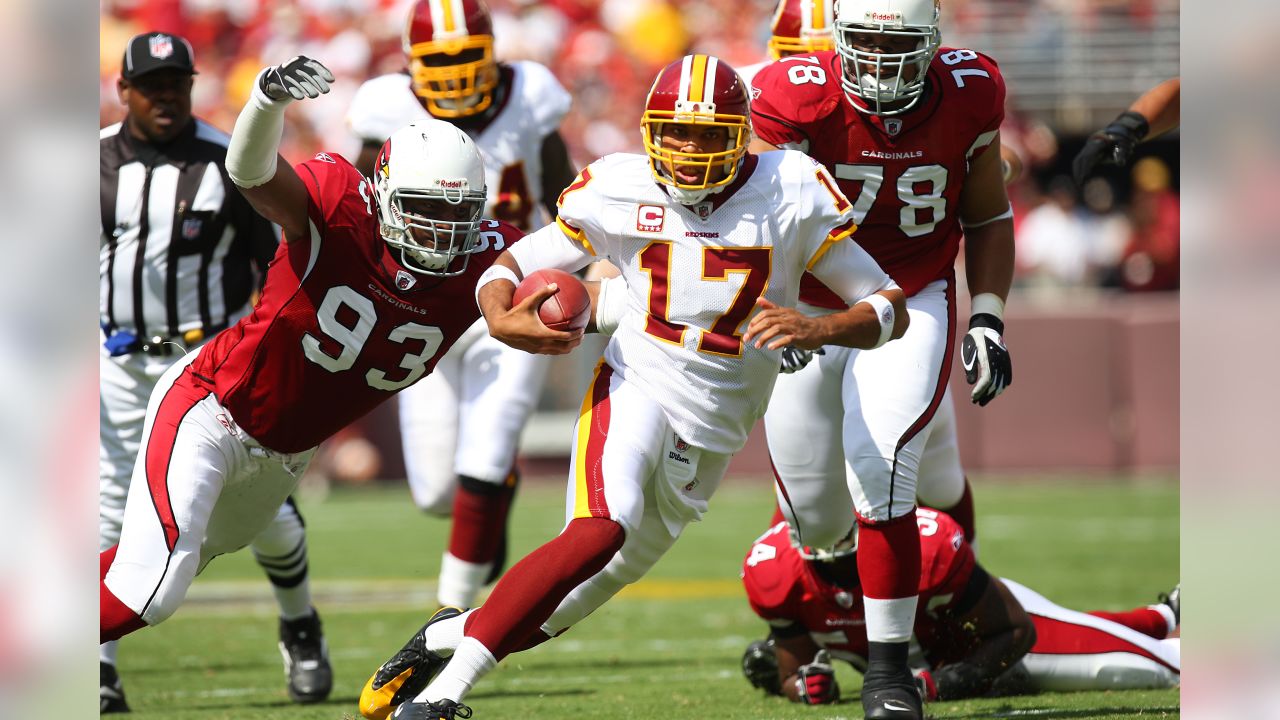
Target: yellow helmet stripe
{"x": 818, "y": 19}
{"x": 697, "y": 78}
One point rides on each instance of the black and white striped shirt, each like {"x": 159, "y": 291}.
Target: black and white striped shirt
{"x": 177, "y": 238}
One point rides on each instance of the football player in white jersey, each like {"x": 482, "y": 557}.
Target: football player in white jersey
{"x": 799, "y": 27}
{"x": 711, "y": 242}
{"x": 460, "y": 425}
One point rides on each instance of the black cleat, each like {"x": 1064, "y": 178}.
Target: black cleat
{"x": 1173, "y": 599}
{"x": 306, "y": 659}
{"x": 891, "y": 694}
{"x": 438, "y": 710}
{"x": 406, "y": 674}
{"x": 110, "y": 690}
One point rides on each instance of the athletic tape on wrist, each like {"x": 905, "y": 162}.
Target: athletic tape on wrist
{"x": 495, "y": 272}
{"x": 884, "y": 313}
{"x": 1006, "y": 215}
{"x": 255, "y": 141}
{"x": 988, "y": 303}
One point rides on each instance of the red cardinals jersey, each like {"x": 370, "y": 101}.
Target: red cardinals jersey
{"x": 341, "y": 325}
{"x": 904, "y": 173}
{"x": 782, "y": 589}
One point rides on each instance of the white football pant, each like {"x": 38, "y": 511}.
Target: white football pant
{"x": 1078, "y": 651}
{"x": 853, "y": 429}
{"x": 465, "y": 418}
{"x": 201, "y": 488}
{"x": 628, "y": 465}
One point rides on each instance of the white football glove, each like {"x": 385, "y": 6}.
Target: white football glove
{"x": 794, "y": 358}
{"x": 299, "y": 79}
{"x": 987, "y": 366}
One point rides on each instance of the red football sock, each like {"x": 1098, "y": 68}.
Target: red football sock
{"x": 962, "y": 512}
{"x": 530, "y": 591}
{"x": 1145, "y": 620}
{"x": 889, "y": 557}
{"x": 115, "y": 619}
{"x": 480, "y": 519}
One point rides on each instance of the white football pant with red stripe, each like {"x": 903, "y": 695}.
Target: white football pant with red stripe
{"x": 628, "y": 465}
{"x": 201, "y": 488}
{"x": 1078, "y": 651}
{"x": 852, "y": 429}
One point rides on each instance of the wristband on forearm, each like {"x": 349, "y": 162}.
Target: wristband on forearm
{"x": 884, "y": 314}
{"x": 495, "y": 272}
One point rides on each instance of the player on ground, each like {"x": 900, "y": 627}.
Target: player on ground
{"x": 709, "y": 278}
{"x": 911, "y": 132}
{"x": 461, "y": 424}
{"x": 800, "y": 27}
{"x": 374, "y": 279}
{"x": 978, "y": 634}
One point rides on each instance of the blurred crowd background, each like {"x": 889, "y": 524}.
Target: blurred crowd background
{"x": 1071, "y": 66}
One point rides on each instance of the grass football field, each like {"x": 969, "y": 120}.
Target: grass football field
{"x": 667, "y": 647}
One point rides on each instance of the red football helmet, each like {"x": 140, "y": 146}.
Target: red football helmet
{"x": 450, "y": 48}
{"x": 802, "y": 26}
{"x": 697, "y": 90}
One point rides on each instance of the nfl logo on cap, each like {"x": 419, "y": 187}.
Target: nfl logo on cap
{"x": 161, "y": 46}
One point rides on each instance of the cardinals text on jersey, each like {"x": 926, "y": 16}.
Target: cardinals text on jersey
{"x": 904, "y": 174}
{"x": 341, "y": 326}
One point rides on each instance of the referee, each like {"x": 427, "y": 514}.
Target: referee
{"x": 176, "y": 261}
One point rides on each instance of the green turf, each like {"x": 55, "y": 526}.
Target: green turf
{"x": 668, "y": 647}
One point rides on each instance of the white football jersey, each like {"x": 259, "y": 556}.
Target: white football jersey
{"x": 748, "y": 72}
{"x": 510, "y": 143}
{"x": 693, "y": 275}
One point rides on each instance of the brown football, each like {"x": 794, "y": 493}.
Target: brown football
{"x": 569, "y": 309}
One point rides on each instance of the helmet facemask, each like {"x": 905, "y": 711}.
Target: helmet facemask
{"x": 838, "y": 564}
{"x": 456, "y": 78}
{"x": 881, "y": 83}
{"x": 692, "y": 176}
{"x": 431, "y": 245}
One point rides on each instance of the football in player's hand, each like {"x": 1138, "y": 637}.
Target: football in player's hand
{"x": 569, "y": 309}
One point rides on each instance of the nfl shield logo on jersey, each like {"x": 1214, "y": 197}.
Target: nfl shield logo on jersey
{"x": 161, "y": 46}
{"x": 681, "y": 445}
{"x": 893, "y": 126}
{"x": 405, "y": 280}
{"x": 191, "y": 228}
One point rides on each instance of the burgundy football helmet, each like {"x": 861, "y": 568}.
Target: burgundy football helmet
{"x": 802, "y": 26}
{"x": 449, "y": 44}
{"x": 697, "y": 90}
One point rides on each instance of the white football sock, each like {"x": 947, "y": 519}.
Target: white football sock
{"x": 107, "y": 651}
{"x": 470, "y": 662}
{"x": 890, "y": 621}
{"x": 460, "y": 581}
{"x": 443, "y": 638}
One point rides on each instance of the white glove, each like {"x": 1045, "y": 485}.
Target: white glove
{"x": 987, "y": 366}
{"x": 299, "y": 78}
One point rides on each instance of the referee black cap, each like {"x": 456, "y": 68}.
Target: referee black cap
{"x": 153, "y": 51}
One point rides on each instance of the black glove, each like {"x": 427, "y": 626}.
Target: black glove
{"x": 300, "y": 78}
{"x": 1112, "y": 145}
{"x": 987, "y": 366}
{"x": 794, "y": 358}
{"x": 760, "y": 665}
{"x": 817, "y": 681}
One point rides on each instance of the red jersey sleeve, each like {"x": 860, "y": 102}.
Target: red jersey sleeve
{"x": 771, "y": 575}
{"x": 333, "y": 184}
{"x": 789, "y": 97}
{"x": 946, "y": 559}
{"x": 979, "y": 89}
